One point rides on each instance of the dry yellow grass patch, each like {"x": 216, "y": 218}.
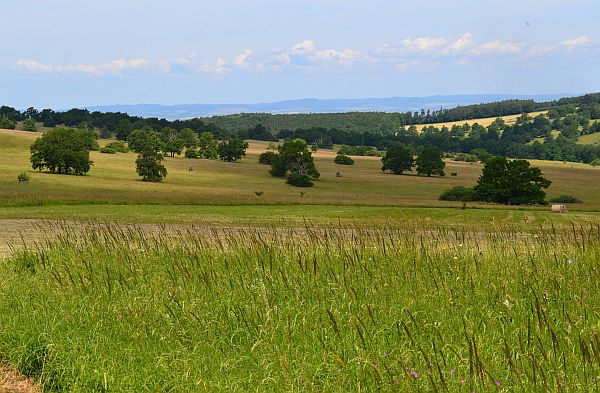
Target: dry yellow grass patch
{"x": 486, "y": 121}
{"x": 10, "y": 382}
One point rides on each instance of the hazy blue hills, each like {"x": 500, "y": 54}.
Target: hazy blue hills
{"x": 311, "y": 105}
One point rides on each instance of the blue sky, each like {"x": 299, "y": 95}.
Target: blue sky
{"x": 65, "y": 53}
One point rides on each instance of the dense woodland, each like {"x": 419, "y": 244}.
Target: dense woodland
{"x": 553, "y": 136}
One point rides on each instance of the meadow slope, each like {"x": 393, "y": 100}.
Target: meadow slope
{"x": 112, "y": 180}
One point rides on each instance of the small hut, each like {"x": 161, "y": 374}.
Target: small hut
{"x": 559, "y": 208}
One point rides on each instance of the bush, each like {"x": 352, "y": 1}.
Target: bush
{"x": 566, "y": 199}
{"x": 7, "y": 123}
{"x": 359, "y": 151}
{"x": 343, "y": 160}
{"x": 299, "y": 180}
{"x": 29, "y": 125}
{"x": 23, "y": 177}
{"x": 465, "y": 157}
{"x": 190, "y": 152}
{"x": 118, "y": 147}
{"x": 107, "y": 150}
{"x": 267, "y": 158}
{"x": 458, "y": 193}
{"x": 596, "y": 162}
{"x": 454, "y": 174}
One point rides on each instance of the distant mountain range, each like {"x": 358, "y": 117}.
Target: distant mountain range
{"x": 311, "y": 105}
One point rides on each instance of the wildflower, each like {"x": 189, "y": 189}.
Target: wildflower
{"x": 545, "y": 294}
{"x": 415, "y": 374}
{"x": 452, "y": 371}
{"x": 570, "y": 261}
{"x": 462, "y": 381}
{"x": 497, "y": 383}
{"x": 386, "y": 354}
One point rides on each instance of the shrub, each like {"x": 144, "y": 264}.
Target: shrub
{"x": 105, "y": 133}
{"x": 190, "y": 152}
{"x": 458, "y": 193}
{"x": 267, "y": 158}
{"x": 118, "y": 147}
{"x": 359, "y": 151}
{"x": 465, "y": 157}
{"x": 566, "y": 199}
{"x": 29, "y": 125}
{"x": 299, "y": 180}
{"x": 107, "y": 150}
{"x": 343, "y": 160}
{"x": 454, "y": 174}
{"x": 23, "y": 177}
{"x": 7, "y": 123}
{"x": 596, "y": 162}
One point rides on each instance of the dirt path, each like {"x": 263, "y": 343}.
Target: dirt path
{"x": 12, "y": 383}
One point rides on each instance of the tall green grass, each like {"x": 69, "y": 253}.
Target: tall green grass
{"x": 119, "y": 308}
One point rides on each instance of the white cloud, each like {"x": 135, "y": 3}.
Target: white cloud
{"x": 186, "y": 60}
{"x": 407, "y": 53}
{"x": 568, "y": 45}
{"x": 114, "y": 67}
{"x": 219, "y": 68}
{"x": 241, "y": 60}
{"x": 304, "y": 47}
{"x": 32, "y": 65}
{"x": 423, "y": 44}
{"x": 462, "y": 43}
{"x": 496, "y": 47}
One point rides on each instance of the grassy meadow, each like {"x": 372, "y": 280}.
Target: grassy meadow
{"x": 116, "y": 308}
{"x": 365, "y": 282}
{"x": 112, "y": 180}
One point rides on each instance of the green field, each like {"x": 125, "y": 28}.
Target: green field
{"x": 115, "y": 308}
{"x": 591, "y": 139}
{"x": 366, "y": 282}
{"x": 112, "y": 180}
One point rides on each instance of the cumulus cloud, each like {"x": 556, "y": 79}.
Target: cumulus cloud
{"x": 114, "y": 67}
{"x": 406, "y": 53}
{"x": 568, "y": 45}
{"x": 423, "y": 44}
{"x": 304, "y": 47}
{"x": 32, "y": 65}
{"x": 241, "y": 60}
{"x": 496, "y": 47}
{"x": 219, "y": 68}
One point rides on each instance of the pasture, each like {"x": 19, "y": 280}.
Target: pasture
{"x": 112, "y": 180}
{"x": 364, "y": 282}
{"x": 119, "y": 308}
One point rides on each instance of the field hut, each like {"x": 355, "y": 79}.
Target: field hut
{"x": 559, "y": 208}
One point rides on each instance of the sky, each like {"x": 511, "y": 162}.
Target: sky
{"x": 71, "y": 53}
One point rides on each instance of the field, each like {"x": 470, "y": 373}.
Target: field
{"x": 485, "y": 122}
{"x": 591, "y": 139}
{"x": 365, "y": 282}
{"x": 113, "y": 180}
{"x": 114, "y": 308}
